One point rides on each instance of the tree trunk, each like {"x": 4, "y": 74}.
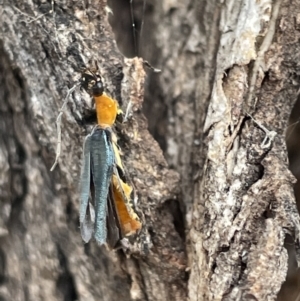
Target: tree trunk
{"x": 229, "y": 81}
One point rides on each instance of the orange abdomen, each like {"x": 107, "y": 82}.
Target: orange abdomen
{"x": 107, "y": 110}
{"x": 129, "y": 221}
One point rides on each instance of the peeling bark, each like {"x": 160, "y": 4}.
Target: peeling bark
{"x": 229, "y": 78}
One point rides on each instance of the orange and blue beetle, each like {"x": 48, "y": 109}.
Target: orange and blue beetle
{"x": 106, "y": 211}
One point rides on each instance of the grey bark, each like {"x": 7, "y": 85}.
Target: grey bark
{"x": 235, "y": 58}
{"x": 218, "y": 232}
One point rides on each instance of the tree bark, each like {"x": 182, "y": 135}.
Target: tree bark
{"x": 229, "y": 81}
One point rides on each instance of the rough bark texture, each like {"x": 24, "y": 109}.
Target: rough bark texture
{"x": 43, "y": 255}
{"x": 246, "y": 57}
{"x": 233, "y": 206}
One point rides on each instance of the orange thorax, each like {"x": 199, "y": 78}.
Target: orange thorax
{"x": 107, "y": 110}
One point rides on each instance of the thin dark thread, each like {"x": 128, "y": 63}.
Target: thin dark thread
{"x": 142, "y": 25}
